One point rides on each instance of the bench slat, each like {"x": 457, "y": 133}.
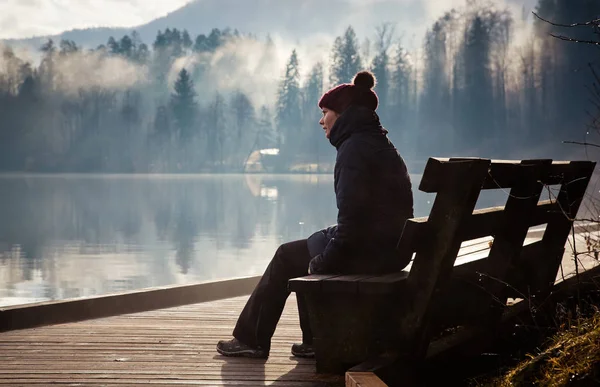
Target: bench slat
{"x": 439, "y": 172}
{"x": 503, "y": 173}
{"x": 385, "y": 284}
{"x": 485, "y": 222}
{"x": 344, "y": 283}
{"x": 309, "y": 283}
{"x": 482, "y": 223}
{"x": 507, "y": 174}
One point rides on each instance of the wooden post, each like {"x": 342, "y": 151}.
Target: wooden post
{"x": 574, "y": 181}
{"x": 457, "y": 184}
{"x": 510, "y": 233}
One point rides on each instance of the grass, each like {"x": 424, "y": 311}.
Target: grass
{"x": 570, "y": 358}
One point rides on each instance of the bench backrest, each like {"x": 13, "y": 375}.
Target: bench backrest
{"x": 507, "y": 271}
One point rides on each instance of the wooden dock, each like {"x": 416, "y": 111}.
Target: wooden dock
{"x": 166, "y": 347}
{"x": 169, "y": 346}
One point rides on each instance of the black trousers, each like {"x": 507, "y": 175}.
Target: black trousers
{"x": 260, "y": 316}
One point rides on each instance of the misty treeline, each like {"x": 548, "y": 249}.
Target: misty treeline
{"x": 484, "y": 82}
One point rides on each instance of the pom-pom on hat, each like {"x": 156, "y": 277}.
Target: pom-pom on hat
{"x": 359, "y": 92}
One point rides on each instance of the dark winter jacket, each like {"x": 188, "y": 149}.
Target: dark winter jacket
{"x": 374, "y": 199}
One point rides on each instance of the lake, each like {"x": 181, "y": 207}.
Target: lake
{"x": 68, "y": 236}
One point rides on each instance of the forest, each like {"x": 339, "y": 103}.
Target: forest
{"x": 483, "y": 82}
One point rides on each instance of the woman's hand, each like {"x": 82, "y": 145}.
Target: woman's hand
{"x": 315, "y": 266}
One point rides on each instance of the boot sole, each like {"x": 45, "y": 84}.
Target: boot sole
{"x": 249, "y": 354}
{"x": 304, "y": 355}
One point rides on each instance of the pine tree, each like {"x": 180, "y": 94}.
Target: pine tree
{"x": 159, "y": 42}
{"x": 312, "y": 91}
{"x": 288, "y": 106}
{"x": 47, "y": 66}
{"x": 126, "y": 47}
{"x": 214, "y": 39}
{"x": 201, "y": 43}
{"x": 265, "y": 133}
{"x": 142, "y": 54}
{"x": 336, "y": 62}
{"x": 401, "y": 78}
{"x": 435, "y": 100}
{"x": 183, "y": 105}
{"x": 477, "y": 95}
{"x": 216, "y": 133}
{"x": 186, "y": 41}
{"x": 243, "y": 125}
{"x": 381, "y": 66}
{"x": 346, "y": 60}
{"x": 113, "y": 46}
{"x": 67, "y": 47}
{"x": 175, "y": 43}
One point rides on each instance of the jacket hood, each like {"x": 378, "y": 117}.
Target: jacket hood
{"x": 355, "y": 119}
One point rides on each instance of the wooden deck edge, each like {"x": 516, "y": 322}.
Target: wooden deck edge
{"x": 363, "y": 379}
{"x": 57, "y": 312}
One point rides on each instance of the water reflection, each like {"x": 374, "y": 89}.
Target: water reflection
{"x": 70, "y": 236}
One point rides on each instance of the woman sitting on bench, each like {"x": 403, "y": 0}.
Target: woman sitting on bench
{"x": 374, "y": 199}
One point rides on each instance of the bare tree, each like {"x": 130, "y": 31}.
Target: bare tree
{"x": 594, "y": 89}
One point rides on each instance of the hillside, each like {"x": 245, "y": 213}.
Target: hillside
{"x": 289, "y": 19}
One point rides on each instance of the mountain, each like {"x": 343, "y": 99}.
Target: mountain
{"x": 289, "y": 19}
{"x": 292, "y": 20}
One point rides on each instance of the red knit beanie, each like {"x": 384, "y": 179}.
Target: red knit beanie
{"x": 359, "y": 92}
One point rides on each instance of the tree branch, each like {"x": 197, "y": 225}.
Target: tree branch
{"x": 561, "y": 37}
{"x": 582, "y": 143}
{"x": 595, "y": 22}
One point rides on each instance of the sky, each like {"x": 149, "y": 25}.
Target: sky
{"x": 26, "y": 18}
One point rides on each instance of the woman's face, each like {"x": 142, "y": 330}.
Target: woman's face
{"x": 327, "y": 121}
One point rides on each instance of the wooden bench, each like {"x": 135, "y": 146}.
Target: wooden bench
{"x": 356, "y": 318}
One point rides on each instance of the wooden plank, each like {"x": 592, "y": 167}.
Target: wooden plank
{"x": 153, "y": 382}
{"x": 363, "y": 379}
{"x": 385, "y": 284}
{"x": 482, "y": 223}
{"x": 438, "y": 174}
{"x": 309, "y": 283}
{"x": 486, "y": 221}
{"x": 574, "y": 180}
{"x": 434, "y": 261}
{"x": 414, "y": 231}
{"x": 502, "y": 173}
{"x": 217, "y": 374}
{"x": 56, "y": 312}
{"x": 507, "y": 173}
{"x": 344, "y": 283}
{"x": 161, "y": 347}
{"x": 511, "y": 230}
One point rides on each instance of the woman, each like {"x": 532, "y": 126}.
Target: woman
{"x": 374, "y": 199}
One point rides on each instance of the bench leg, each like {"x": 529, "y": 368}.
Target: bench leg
{"x": 348, "y": 329}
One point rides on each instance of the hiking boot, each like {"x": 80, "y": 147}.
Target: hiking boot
{"x": 303, "y": 350}
{"x": 236, "y": 348}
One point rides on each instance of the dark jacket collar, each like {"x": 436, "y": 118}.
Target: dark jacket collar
{"x": 354, "y": 120}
